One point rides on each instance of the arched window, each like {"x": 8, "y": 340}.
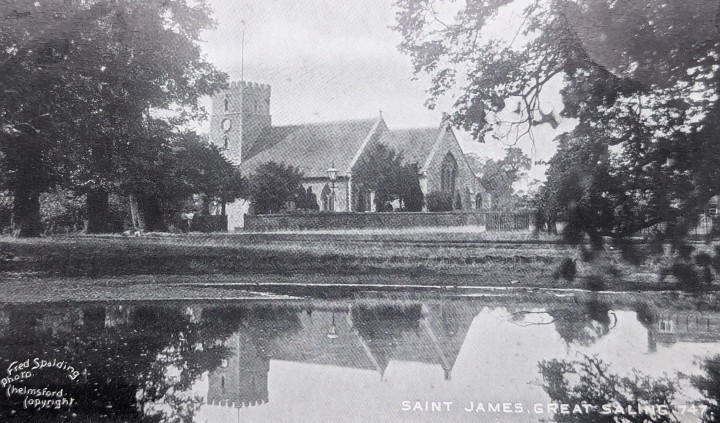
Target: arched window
{"x": 328, "y": 202}
{"x": 225, "y": 142}
{"x": 227, "y": 104}
{"x": 478, "y": 201}
{"x": 448, "y": 173}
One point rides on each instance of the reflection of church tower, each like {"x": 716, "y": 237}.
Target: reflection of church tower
{"x": 239, "y": 115}
{"x": 242, "y": 378}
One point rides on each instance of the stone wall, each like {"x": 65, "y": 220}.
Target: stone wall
{"x": 314, "y": 221}
{"x": 209, "y": 224}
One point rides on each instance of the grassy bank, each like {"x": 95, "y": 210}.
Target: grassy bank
{"x": 450, "y": 259}
{"x": 431, "y": 255}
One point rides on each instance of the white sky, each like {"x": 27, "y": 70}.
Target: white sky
{"x": 334, "y": 60}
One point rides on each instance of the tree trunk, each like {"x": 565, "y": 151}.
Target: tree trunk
{"x": 206, "y": 205}
{"x": 138, "y": 221}
{"x": 150, "y": 217}
{"x": 98, "y": 211}
{"x": 25, "y": 220}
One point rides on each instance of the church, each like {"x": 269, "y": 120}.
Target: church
{"x": 327, "y": 153}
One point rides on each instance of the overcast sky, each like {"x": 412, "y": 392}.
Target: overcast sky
{"x": 333, "y": 60}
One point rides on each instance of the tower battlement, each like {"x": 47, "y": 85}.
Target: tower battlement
{"x": 247, "y": 85}
{"x": 228, "y": 403}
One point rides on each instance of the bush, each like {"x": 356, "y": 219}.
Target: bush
{"x": 439, "y": 201}
{"x": 686, "y": 275}
{"x": 409, "y": 190}
{"x": 457, "y": 202}
{"x": 62, "y": 211}
{"x": 566, "y": 270}
{"x": 595, "y": 283}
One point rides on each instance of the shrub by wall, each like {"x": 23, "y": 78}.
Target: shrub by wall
{"x": 208, "y": 223}
{"x": 439, "y": 201}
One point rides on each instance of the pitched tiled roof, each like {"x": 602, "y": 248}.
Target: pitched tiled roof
{"x": 414, "y": 144}
{"x": 268, "y": 138}
{"x": 313, "y": 148}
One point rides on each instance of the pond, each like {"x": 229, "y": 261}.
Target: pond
{"x": 366, "y": 357}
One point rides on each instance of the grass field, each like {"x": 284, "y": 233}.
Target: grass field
{"x": 422, "y": 258}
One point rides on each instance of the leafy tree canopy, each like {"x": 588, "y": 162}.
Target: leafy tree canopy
{"x": 83, "y": 81}
{"x": 499, "y": 176}
{"x": 201, "y": 168}
{"x": 273, "y": 186}
{"x": 639, "y": 77}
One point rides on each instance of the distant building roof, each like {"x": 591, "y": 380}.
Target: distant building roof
{"x": 414, "y": 144}
{"x": 313, "y": 148}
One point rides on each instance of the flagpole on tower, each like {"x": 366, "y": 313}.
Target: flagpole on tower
{"x": 242, "y": 55}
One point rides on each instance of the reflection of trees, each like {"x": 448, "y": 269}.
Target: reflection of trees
{"x": 383, "y": 327}
{"x": 648, "y": 319}
{"x": 590, "y": 381}
{"x": 261, "y": 325}
{"x": 644, "y": 314}
{"x": 266, "y": 322}
{"x": 273, "y": 321}
{"x": 709, "y": 386}
{"x": 123, "y": 367}
{"x": 385, "y": 321}
{"x": 582, "y": 324}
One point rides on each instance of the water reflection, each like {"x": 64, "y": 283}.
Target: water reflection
{"x": 581, "y": 324}
{"x": 360, "y": 359}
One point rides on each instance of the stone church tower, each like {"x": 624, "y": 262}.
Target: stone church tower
{"x": 239, "y": 115}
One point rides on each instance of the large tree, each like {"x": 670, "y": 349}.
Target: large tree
{"x": 84, "y": 80}
{"x": 639, "y": 77}
{"x": 499, "y": 176}
{"x": 32, "y": 62}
